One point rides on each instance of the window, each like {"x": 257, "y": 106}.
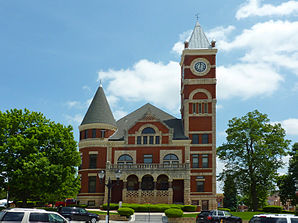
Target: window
{"x": 205, "y": 160}
{"x": 93, "y": 133}
{"x": 139, "y": 139}
{"x": 92, "y": 161}
{"x": 200, "y": 108}
{"x": 200, "y": 186}
{"x": 148, "y": 158}
{"x": 86, "y": 134}
{"x": 148, "y": 130}
{"x": 13, "y": 216}
{"x": 39, "y": 217}
{"x": 195, "y": 139}
{"x": 157, "y": 140}
{"x": 145, "y": 139}
{"x": 151, "y": 139}
{"x": 103, "y": 133}
{"x": 170, "y": 159}
{"x": 194, "y": 108}
{"x": 205, "y": 107}
{"x": 125, "y": 159}
{"x": 205, "y": 139}
{"x": 195, "y": 160}
{"x": 92, "y": 184}
{"x": 55, "y": 218}
{"x": 91, "y": 203}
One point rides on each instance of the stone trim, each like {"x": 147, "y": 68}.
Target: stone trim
{"x": 199, "y": 81}
{"x": 201, "y": 152}
{"x": 97, "y": 126}
{"x": 163, "y": 153}
{"x": 92, "y": 174}
{"x": 200, "y": 90}
{"x": 93, "y": 152}
{"x": 119, "y": 153}
{"x": 202, "y": 173}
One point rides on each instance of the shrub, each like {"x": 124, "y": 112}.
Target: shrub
{"x": 224, "y": 209}
{"x": 272, "y": 209}
{"x": 189, "y": 208}
{"x": 48, "y": 208}
{"x": 112, "y": 206}
{"x": 173, "y": 213}
{"x": 125, "y": 211}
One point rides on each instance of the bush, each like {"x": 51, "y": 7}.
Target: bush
{"x": 287, "y": 212}
{"x": 189, "y": 208}
{"x": 48, "y": 208}
{"x": 125, "y": 211}
{"x": 224, "y": 209}
{"x": 173, "y": 213}
{"x": 112, "y": 206}
{"x": 272, "y": 209}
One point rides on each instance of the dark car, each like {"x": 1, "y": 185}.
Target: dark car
{"x": 217, "y": 216}
{"x": 78, "y": 214}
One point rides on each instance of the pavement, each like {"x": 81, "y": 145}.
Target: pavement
{"x": 144, "y": 217}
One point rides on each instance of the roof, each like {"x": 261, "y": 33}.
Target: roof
{"x": 198, "y": 39}
{"x": 99, "y": 110}
{"x": 147, "y": 111}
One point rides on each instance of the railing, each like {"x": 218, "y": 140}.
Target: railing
{"x": 151, "y": 166}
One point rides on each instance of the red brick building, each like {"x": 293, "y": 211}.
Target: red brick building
{"x": 163, "y": 159}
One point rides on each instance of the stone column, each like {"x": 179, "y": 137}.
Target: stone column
{"x": 140, "y": 192}
{"x": 124, "y": 191}
{"x": 187, "y": 191}
{"x": 170, "y": 190}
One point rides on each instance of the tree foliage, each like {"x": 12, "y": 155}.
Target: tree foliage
{"x": 286, "y": 183}
{"x": 38, "y": 157}
{"x": 253, "y": 153}
{"x": 230, "y": 193}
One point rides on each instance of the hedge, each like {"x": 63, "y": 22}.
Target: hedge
{"x": 224, "y": 209}
{"x": 125, "y": 211}
{"x": 189, "y": 208}
{"x": 272, "y": 209}
{"x": 173, "y": 213}
{"x": 150, "y": 207}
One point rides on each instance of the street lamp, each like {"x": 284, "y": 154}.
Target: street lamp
{"x": 109, "y": 185}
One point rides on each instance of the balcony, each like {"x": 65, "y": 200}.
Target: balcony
{"x": 149, "y": 166}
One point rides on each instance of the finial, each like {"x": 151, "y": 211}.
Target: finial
{"x": 100, "y": 83}
{"x": 197, "y": 16}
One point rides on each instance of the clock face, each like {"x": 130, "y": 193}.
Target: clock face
{"x": 200, "y": 66}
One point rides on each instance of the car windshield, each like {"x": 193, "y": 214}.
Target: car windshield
{"x": 55, "y": 218}
{"x": 294, "y": 220}
{"x": 69, "y": 210}
{"x": 227, "y": 213}
{"x": 83, "y": 211}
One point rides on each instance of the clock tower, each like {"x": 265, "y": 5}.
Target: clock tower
{"x": 198, "y": 111}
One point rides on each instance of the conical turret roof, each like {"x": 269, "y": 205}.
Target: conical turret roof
{"x": 198, "y": 39}
{"x": 99, "y": 110}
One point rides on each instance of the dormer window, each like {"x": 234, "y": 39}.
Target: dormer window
{"x": 148, "y": 136}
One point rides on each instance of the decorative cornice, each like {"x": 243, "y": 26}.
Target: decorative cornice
{"x": 97, "y": 126}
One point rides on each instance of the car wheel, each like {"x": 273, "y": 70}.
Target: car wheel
{"x": 93, "y": 220}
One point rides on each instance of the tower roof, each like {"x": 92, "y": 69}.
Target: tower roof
{"x": 198, "y": 39}
{"x": 99, "y": 110}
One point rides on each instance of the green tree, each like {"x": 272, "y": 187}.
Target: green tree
{"x": 253, "y": 152}
{"x": 286, "y": 183}
{"x": 230, "y": 192}
{"x": 38, "y": 157}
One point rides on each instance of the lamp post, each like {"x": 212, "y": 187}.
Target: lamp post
{"x": 109, "y": 185}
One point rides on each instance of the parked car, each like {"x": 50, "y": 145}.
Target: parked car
{"x": 65, "y": 203}
{"x": 26, "y": 215}
{"x": 78, "y": 214}
{"x": 217, "y": 216}
{"x": 274, "y": 218}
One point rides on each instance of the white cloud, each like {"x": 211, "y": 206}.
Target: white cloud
{"x": 219, "y": 33}
{"x": 295, "y": 88}
{"x": 271, "y": 42}
{"x": 72, "y": 104}
{"x": 254, "y": 8}
{"x": 74, "y": 120}
{"x": 157, "y": 83}
{"x": 179, "y": 46}
{"x": 246, "y": 80}
{"x": 290, "y": 125}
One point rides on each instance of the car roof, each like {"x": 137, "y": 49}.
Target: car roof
{"x": 275, "y": 215}
{"x": 28, "y": 210}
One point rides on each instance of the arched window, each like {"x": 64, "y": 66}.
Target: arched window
{"x": 125, "y": 159}
{"x": 148, "y": 136}
{"x": 147, "y": 183}
{"x": 170, "y": 159}
{"x": 148, "y": 130}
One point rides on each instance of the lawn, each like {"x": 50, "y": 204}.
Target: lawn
{"x": 102, "y": 212}
{"x": 245, "y": 215}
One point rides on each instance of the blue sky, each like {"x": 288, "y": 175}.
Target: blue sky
{"x": 53, "y": 54}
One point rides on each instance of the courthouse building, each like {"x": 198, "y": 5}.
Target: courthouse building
{"x": 163, "y": 159}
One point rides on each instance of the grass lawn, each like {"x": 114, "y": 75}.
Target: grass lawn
{"x": 245, "y": 215}
{"x": 102, "y": 212}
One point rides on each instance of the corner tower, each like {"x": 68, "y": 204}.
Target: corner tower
{"x": 198, "y": 111}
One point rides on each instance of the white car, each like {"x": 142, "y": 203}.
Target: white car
{"x": 274, "y": 218}
{"x": 25, "y": 215}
